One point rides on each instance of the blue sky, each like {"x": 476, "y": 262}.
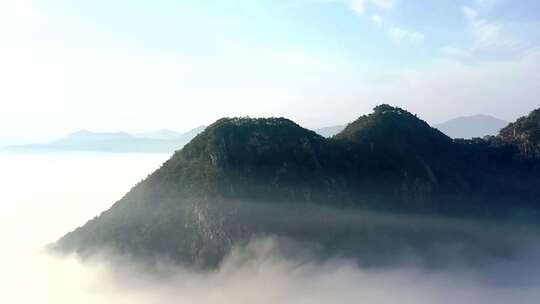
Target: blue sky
{"x": 143, "y": 65}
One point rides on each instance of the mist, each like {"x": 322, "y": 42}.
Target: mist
{"x": 49, "y": 195}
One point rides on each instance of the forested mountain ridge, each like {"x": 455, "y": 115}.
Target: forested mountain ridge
{"x": 243, "y": 177}
{"x": 525, "y": 134}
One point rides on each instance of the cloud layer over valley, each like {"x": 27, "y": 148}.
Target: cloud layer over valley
{"x": 68, "y": 190}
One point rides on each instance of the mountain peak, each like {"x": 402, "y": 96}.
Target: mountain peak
{"x": 252, "y": 131}
{"x": 241, "y": 140}
{"x": 393, "y": 128}
{"x": 85, "y": 135}
{"x": 478, "y": 125}
{"x": 386, "y": 108}
{"x": 248, "y": 121}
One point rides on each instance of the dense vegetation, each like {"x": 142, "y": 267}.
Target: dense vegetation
{"x": 525, "y": 134}
{"x": 243, "y": 177}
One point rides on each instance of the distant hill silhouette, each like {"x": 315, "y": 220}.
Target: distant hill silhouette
{"x": 330, "y": 131}
{"x": 246, "y": 177}
{"x": 172, "y": 135}
{"x": 161, "y": 134}
{"x": 163, "y": 141}
{"x": 472, "y": 126}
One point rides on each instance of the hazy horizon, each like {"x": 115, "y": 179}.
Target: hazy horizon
{"x": 139, "y": 66}
{"x": 148, "y": 133}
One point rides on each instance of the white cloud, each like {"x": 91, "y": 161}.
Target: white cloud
{"x": 15, "y": 12}
{"x": 60, "y": 88}
{"x": 450, "y": 88}
{"x": 377, "y": 19}
{"x": 396, "y": 33}
{"x": 386, "y": 4}
{"x": 455, "y": 52}
{"x": 487, "y": 5}
{"x": 258, "y": 273}
{"x": 489, "y": 40}
{"x": 485, "y": 33}
{"x": 359, "y": 6}
{"x": 399, "y": 35}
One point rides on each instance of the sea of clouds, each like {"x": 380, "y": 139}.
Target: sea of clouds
{"x": 48, "y": 195}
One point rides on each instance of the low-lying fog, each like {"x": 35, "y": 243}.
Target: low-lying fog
{"x": 44, "y": 196}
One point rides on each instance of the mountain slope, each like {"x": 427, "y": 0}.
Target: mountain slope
{"x": 525, "y": 134}
{"x": 472, "y": 126}
{"x": 245, "y": 177}
{"x": 390, "y": 128}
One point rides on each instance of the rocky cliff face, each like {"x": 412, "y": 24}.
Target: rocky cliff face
{"x": 525, "y": 134}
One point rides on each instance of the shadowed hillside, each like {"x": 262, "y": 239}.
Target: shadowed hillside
{"x": 245, "y": 177}
{"x": 525, "y": 134}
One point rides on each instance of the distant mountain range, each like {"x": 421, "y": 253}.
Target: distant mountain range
{"x": 472, "y": 126}
{"x": 161, "y": 134}
{"x": 241, "y": 178}
{"x": 461, "y": 127}
{"x": 330, "y": 131}
{"x": 162, "y": 141}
